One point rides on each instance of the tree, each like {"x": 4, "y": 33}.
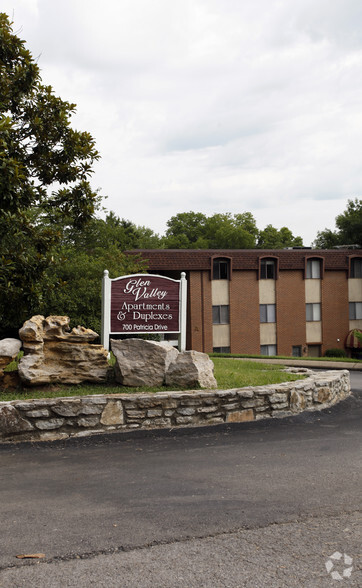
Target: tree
{"x": 184, "y": 229}
{"x": 45, "y": 168}
{"x": 79, "y": 273}
{"x": 194, "y": 230}
{"x": 226, "y": 231}
{"x": 82, "y": 257}
{"x": 349, "y": 228}
{"x": 272, "y": 238}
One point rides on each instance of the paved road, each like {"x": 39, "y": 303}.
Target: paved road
{"x": 256, "y": 504}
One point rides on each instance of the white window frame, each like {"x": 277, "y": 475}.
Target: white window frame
{"x": 221, "y": 314}
{"x": 314, "y": 269}
{"x": 355, "y": 311}
{"x": 265, "y": 264}
{"x": 356, "y": 267}
{"x": 221, "y": 349}
{"x": 269, "y": 349}
{"x": 220, "y": 267}
{"x": 267, "y": 313}
{"x": 313, "y": 311}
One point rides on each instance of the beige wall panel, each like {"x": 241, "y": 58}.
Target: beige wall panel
{"x": 268, "y": 334}
{"x": 355, "y": 290}
{"x": 357, "y": 324}
{"x": 221, "y": 335}
{"x": 266, "y": 291}
{"x": 314, "y": 332}
{"x": 220, "y": 292}
{"x": 312, "y": 290}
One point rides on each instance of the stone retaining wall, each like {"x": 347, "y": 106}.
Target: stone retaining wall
{"x": 60, "y": 418}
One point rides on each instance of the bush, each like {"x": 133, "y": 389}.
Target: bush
{"x": 335, "y": 353}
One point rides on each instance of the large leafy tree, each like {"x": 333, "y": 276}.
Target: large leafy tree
{"x": 45, "y": 167}
{"x": 185, "y": 230}
{"x": 194, "y": 230}
{"x": 272, "y": 238}
{"x": 349, "y": 228}
{"x": 81, "y": 259}
{"x": 79, "y": 272}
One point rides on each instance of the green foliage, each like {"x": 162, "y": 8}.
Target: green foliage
{"x": 349, "y": 228}
{"x": 195, "y": 230}
{"x": 106, "y": 233}
{"x": 13, "y": 365}
{"x": 335, "y": 352}
{"x": 79, "y": 270}
{"x": 272, "y": 238}
{"x": 358, "y": 335}
{"x": 184, "y": 230}
{"x": 45, "y": 168}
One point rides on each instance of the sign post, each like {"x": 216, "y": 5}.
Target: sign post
{"x": 143, "y": 303}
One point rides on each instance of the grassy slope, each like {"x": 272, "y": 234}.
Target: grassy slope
{"x": 229, "y": 374}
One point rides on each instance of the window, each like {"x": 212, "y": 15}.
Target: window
{"x": 313, "y": 311}
{"x": 267, "y": 313}
{"x": 221, "y": 349}
{"x": 268, "y": 350}
{"x": 267, "y": 269}
{"x": 355, "y": 311}
{"x": 220, "y": 269}
{"x": 314, "y": 268}
{"x": 297, "y": 351}
{"x": 220, "y": 315}
{"x": 356, "y": 267}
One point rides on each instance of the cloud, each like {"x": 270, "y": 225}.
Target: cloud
{"x": 210, "y": 106}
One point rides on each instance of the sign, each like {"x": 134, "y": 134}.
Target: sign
{"x": 143, "y": 303}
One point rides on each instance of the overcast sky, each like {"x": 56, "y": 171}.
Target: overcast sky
{"x": 211, "y": 105}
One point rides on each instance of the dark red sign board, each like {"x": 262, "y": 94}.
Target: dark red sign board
{"x": 145, "y": 303}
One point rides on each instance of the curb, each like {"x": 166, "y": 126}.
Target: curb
{"x": 81, "y": 416}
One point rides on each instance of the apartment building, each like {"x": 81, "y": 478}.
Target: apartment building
{"x": 285, "y": 302}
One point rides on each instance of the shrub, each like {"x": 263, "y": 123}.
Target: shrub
{"x": 335, "y": 353}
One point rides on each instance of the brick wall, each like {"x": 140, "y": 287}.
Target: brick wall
{"x": 244, "y": 297}
{"x": 335, "y": 316}
{"x": 290, "y": 307}
{"x": 199, "y": 312}
{"x": 244, "y": 313}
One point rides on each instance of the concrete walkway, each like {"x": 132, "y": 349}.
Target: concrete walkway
{"x": 328, "y": 365}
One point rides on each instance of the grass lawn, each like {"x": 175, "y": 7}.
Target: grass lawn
{"x": 304, "y": 358}
{"x": 229, "y": 373}
{"x": 232, "y": 373}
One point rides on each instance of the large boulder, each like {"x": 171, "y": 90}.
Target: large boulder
{"x": 54, "y": 328}
{"x": 9, "y": 349}
{"x": 142, "y": 363}
{"x": 151, "y": 363}
{"x": 191, "y": 369}
{"x": 54, "y": 354}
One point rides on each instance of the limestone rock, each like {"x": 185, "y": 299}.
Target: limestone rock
{"x": 142, "y": 363}
{"x": 113, "y": 413}
{"x": 191, "y": 368}
{"x": 54, "y": 354}
{"x": 297, "y": 401}
{"x": 9, "y": 349}
{"x": 240, "y": 416}
{"x": 39, "y": 329}
{"x": 322, "y": 395}
{"x": 12, "y": 422}
{"x": 32, "y": 330}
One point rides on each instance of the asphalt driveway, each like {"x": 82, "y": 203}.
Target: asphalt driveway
{"x": 122, "y": 494}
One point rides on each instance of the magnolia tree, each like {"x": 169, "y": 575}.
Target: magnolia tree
{"x": 45, "y": 169}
